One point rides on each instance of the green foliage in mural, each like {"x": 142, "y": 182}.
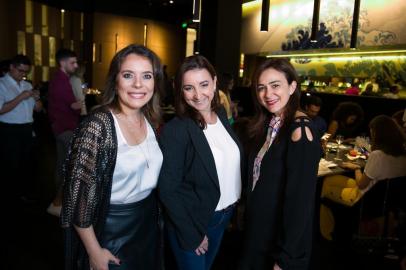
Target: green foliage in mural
{"x": 312, "y": 72}
{"x": 330, "y": 69}
{"x": 386, "y": 71}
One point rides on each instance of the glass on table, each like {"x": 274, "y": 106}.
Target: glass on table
{"x": 339, "y": 140}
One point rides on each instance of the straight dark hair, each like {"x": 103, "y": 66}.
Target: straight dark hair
{"x": 182, "y": 108}
{"x": 259, "y": 123}
{"x": 62, "y": 54}
{"x": 387, "y": 136}
{"x": 151, "y": 110}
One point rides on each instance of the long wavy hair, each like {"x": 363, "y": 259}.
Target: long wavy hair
{"x": 258, "y": 124}
{"x": 182, "y": 108}
{"x": 151, "y": 110}
{"x": 387, "y": 136}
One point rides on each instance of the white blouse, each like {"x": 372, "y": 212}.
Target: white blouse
{"x": 137, "y": 167}
{"x": 227, "y": 159}
{"x": 381, "y": 166}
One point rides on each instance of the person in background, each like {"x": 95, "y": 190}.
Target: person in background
{"x": 387, "y": 160}
{"x": 312, "y": 109}
{"x": 393, "y": 92}
{"x": 4, "y": 67}
{"x": 282, "y": 173}
{"x": 400, "y": 118}
{"x": 110, "y": 212}
{"x": 18, "y": 101}
{"x": 346, "y": 120}
{"x": 311, "y": 88}
{"x": 375, "y": 85}
{"x": 353, "y": 90}
{"x": 64, "y": 113}
{"x": 368, "y": 91}
{"x": 226, "y": 84}
{"x": 79, "y": 88}
{"x": 200, "y": 180}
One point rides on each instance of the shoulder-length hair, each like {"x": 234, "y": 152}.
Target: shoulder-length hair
{"x": 387, "y": 136}
{"x": 182, "y": 108}
{"x": 258, "y": 124}
{"x": 151, "y": 110}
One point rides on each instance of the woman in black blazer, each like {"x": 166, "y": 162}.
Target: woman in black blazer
{"x": 283, "y": 173}
{"x": 200, "y": 179}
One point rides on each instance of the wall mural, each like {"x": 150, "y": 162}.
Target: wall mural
{"x": 385, "y": 70}
{"x": 381, "y": 23}
{"x": 301, "y": 40}
{"x": 335, "y": 32}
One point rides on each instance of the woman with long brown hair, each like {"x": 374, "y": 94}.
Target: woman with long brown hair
{"x": 109, "y": 211}
{"x": 282, "y": 172}
{"x": 200, "y": 180}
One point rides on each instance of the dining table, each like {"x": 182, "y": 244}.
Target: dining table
{"x": 335, "y": 155}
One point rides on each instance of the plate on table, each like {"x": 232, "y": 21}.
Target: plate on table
{"x": 334, "y": 146}
{"x": 350, "y": 157}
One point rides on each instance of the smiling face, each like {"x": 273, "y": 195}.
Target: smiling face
{"x": 274, "y": 91}
{"x": 198, "y": 89}
{"x": 135, "y": 82}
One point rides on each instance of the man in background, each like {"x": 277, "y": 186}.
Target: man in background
{"x": 64, "y": 113}
{"x": 312, "y": 109}
{"x": 18, "y": 101}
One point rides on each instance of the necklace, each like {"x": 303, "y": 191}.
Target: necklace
{"x": 134, "y": 129}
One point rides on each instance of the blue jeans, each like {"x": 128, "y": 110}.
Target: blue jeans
{"x": 188, "y": 259}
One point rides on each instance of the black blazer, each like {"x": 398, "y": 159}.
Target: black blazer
{"x": 188, "y": 184}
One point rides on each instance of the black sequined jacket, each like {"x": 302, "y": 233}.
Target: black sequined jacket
{"x": 88, "y": 176}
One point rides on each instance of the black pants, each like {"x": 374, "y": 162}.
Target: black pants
{"x": 16, "y": 165}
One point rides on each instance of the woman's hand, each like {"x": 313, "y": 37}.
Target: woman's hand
{"x": 203, "y": 247}
{"x": 350, "y": 165}
{"x": 276, "y": 267}
{"x": 100, "y": 259}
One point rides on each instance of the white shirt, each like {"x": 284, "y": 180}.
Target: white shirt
{"x": 381, "y": 166}
{"x": 227, "y": 159}
{"x": 137, "y": 167}
{"x": 76, "y": 83}
{"x": 9, "y": 90}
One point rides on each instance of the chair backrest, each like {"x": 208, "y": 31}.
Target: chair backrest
{"x": 396, "y": 193}
{"x": 383, "y": 197}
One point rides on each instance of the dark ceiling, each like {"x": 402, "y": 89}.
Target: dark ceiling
{"x": 176, "y": 12}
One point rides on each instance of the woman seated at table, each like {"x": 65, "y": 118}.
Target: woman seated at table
{"x": 346, "y": 120}
{"x": 387, "y": 160}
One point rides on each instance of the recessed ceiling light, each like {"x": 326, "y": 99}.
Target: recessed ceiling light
{"x": 171, "y": 2}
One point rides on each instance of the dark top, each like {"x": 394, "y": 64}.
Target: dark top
{"x": 320, "y": 125}
{"x": 60, "y": 98}
{"x": 347, "y": 131}
{"x": 279, "y": 212}
{"x": 188, "y": 184}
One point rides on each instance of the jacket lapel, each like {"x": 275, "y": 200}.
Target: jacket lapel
{"x": 203, "y": 149}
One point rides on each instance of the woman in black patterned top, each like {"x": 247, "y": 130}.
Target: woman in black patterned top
{"x": 109, "y": 211}
{"x": 283, "y": 173}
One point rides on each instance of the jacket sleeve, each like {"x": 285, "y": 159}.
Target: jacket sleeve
{"x": 173, "y": 194}
{"x": 295, "y": 238}
{"x": 80, "y": 196}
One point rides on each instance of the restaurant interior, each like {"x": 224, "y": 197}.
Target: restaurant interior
{"x": 334, "y": 46}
